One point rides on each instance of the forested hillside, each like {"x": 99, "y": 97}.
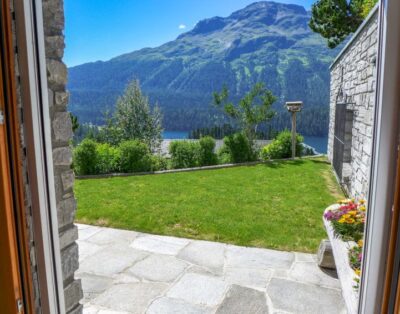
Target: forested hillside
{"x": 265, "y": 42}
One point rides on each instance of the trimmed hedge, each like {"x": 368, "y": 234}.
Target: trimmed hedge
{"x": 92, "y": 158}
{"x": 184, "y": 154}
{"x": 135, "y": 157}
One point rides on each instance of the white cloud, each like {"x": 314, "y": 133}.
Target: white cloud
{"x": 182, "y": 26}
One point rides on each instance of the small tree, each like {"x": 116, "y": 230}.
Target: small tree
{"x": 336, "y": 19}
{"x": 110, "y": 133}
{"x": 136, "y": 119}
{"x": 252, "y": 110}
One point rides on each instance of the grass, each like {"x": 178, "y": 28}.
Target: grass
{"x": 277, "y": 205}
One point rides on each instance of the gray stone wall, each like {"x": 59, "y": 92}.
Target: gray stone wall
{"x": 354, "y": 71}
{"x": 53, "y": 15}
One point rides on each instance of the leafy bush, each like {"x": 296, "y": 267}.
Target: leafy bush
{"x": 184, "y": 154}
{"x": 108, "y": 158}
{"x": 207, "y": 157}
{"x": 159, "y": 163}
{"x": 237, "y": 148}
{"x": 85, "y": 158}
{"x": 135, "y": 157}
{"x": 281, "y": 146}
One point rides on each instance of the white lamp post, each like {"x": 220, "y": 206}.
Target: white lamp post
{"x": 293, "y": 107}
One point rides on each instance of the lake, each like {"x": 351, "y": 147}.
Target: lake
{"x": 320, "y": 143}
{"x": 173, "y": 135}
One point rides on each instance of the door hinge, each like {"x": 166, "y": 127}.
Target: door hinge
{"x": 20, "y": 306}
{"x": 1, "y": 117}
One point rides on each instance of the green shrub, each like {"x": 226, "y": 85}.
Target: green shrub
{"x": 237, "y": 148}
{"x": 207, "y": 157}
{"x": 159, "y": 163}
{"x": 108, "y": 158}
{"x": 184, "y": 154}
{"x": 281, "y": 146}
{"x": 135, "y": 157}
{"x": 85, "y": 157}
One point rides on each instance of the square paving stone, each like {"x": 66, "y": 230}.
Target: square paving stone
{"x": 304, "y": 257}
{"x": 93, "y": 285}
{"x": 311, "y": 273}
{"x": 85, "y": 233}
{"x": 111, "y": 260}
{"x": 253, "y": 278}
{"x": 206, "y": 254}
{"x": 246, "y": 257}
{"x": 133, "y": 298}
{"x": 243, "y": 300}
{"x": 297, "y": 297}
{"x": 199, "y": 289}
{"x": 162, "y": 268}
{"x": 104, "y": 311}
{"x": 124, "y": 278}
{"x": 175, "y": 306}
{"x": 86, "y": 249}
{"x": 112, "y": 236}
{"x": 160, "y": 244}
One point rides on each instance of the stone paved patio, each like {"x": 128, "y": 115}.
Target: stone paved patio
{"x": 129, "y": 272}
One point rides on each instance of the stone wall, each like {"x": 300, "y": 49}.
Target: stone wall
{"x": 354, "y": 72}
{"x": 53, "y": 16}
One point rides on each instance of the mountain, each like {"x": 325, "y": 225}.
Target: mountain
{"x": 264, "y": 42}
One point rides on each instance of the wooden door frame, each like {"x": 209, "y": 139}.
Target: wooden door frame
{"x": 15, "y": 159}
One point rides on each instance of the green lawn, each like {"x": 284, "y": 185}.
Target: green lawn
{"x": 276, "y": 205}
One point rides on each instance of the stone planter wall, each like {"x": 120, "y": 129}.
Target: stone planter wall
{"x": 354, "y": 71}
{"x": 345, "y": 272}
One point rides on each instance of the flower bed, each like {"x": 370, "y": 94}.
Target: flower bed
{"x": 344, "y": 223}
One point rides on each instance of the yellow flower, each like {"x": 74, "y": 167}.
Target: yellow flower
{"x": 341, "y": 220}
{"x": 345, "y": 216}
{"x": 350, "y": 220}
{"x": 362, "y": 202}
{"x": 352, "y": 213}
{"x": 362, "y": 208}
{"x": 358, "y": 272}
{"x": 360, "y": 243}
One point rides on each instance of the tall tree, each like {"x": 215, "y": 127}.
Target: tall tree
{"x": 252, "y": 110}
{"x": 336, "y": 19}
{"x": 136, "y": 119}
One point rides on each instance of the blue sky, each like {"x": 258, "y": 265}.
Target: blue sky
{"x": 102, "y": 29}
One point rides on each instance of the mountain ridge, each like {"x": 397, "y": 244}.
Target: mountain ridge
{"x": 267, "y": 42}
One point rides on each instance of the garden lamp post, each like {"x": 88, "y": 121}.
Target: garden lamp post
{"x": 293, "y": 107}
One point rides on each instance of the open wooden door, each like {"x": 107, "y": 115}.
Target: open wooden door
{"x": 391, "y": 297}
{"x": 16, "y": 288}
{"x": 11, "y": 299}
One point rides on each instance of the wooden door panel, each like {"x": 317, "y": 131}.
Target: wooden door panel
{"x": 11, "y": 288}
